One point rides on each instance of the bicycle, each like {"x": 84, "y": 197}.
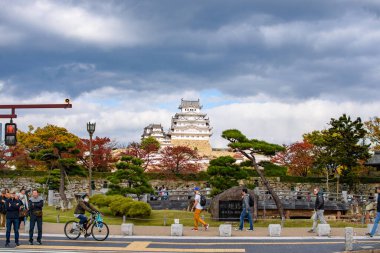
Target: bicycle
{"x": 99, "y": 229}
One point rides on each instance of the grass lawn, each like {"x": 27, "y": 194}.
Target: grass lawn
{"x": 158, "y": 217}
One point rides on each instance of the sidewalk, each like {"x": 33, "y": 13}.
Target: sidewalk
{"x": 115, "y": 230}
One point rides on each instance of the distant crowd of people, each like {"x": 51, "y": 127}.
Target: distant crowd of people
{"x": 15, "y": 208}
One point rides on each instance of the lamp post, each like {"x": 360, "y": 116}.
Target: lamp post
{"x": 90, "y": 130}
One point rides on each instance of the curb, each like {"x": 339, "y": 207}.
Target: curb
{"x": 221, "y": 238}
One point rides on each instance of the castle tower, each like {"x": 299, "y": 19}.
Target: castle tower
{"x": 156, "y": 131}
{"x": 190, "y": 127}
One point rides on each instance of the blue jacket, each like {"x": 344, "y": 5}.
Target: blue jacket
{"x": 13, "y": 208}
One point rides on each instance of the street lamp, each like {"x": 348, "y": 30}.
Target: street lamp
{"x": 90, "y": 130}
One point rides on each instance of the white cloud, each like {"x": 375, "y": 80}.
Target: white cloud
{"x": 122, "y": 115}
{"x": 74, "y": 23}
{"x": 281, "y": 122}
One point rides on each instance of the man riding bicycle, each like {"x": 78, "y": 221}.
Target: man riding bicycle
{"x": 80, "y": 210}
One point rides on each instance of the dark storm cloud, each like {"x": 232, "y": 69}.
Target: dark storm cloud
{"x": 288, "y": 49}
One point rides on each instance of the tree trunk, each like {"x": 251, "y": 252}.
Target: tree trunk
{"x": 255, "y": 208}
{"x": 267, "y": 184}
{"x": 327, "y": 180}
{"x": 62, "y": 188}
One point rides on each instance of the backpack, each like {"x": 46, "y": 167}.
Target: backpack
{"x": 203, "y": 201}
{"x": 251, "y": 201}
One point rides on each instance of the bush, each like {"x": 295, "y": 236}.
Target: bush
{"x": 115, "y": 198}
{"x": 138, "y": 209}
{"x": 118, "y": 205}
{"x": 99, "y": 200}
{"x": 120, "y": 208}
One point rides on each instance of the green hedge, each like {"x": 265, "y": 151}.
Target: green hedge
{"x": 120, "y": 205}
{"x": 22, "y": 173}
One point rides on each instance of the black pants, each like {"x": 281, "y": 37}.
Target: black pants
{"x": 33, "y": 220}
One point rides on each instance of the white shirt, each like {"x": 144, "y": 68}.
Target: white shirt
{"x": 198, "y": 198}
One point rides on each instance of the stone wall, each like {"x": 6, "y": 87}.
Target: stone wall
{"x": 203, "y": 147}
{"x": 75, "y": 185}
{"x": 278, "y": 185}
{"x": 81, "y": 185}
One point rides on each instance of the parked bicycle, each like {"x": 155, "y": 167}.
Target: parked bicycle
{"x": 99, "y": 229}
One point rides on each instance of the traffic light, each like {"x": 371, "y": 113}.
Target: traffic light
{"x": 10, "y": 134}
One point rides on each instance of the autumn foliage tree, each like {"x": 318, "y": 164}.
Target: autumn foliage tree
{"x": 42, "y": 138}
{"x": 143, "y": 150}
{"x": 373, "y": 132}
{"x": 297, "y": 157}
{"x": 14, "y": 156}
{"x": 102, "y": 158}
{"x": 178, "y": 160}
{"x": 55, "y": 147}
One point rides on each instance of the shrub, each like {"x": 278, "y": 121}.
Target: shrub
{"x": 115, "y": 198}
{"x": 139, "y": 209}
{"x": 99, "y": 200}
{"x": 119, "y": 206}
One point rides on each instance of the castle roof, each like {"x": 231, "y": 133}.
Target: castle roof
{"x": 151, "y": 126}
{"x": 374, "y": 160}
{"x": 190, "y": 104}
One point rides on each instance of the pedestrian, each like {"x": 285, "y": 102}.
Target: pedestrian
{"x": 377, "y": 219}
{"x": 246, "y": 212}
{"x": 13, "y": 206}
{"x": 3, "y": 209}
{"x": 36, "y": 204}
{"x": 197, "y": 207}
{"x": 319, "y": 209}
{"x": 25, "y": 209}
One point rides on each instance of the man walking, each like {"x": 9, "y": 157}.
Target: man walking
{"x": 377, "y": 219}
{"x": 198, "y": 209}
{"x": 35, "y": 209}
{"x": 246, "y": 212}
{"x": 13, "y": 206}
{"x": 319, "y": 209}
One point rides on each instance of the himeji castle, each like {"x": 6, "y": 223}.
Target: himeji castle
{"x": 189, "y": 127}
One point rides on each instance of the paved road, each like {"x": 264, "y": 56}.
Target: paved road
{"x": 151, "y": 244}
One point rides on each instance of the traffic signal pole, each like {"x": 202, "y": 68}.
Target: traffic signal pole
{"x": 13, "y": 108}
{"x": 11, "y": 128}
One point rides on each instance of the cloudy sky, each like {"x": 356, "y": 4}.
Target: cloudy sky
{"x": 274, "y": 69}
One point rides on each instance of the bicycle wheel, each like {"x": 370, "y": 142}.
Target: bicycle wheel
{"x": 100, "y": 231}
{"x": 72, "y": 230}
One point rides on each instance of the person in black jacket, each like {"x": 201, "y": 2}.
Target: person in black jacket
{"x": 377, "y": 219}
{"x": 36, "y": 204}
{"x": 12, "y": 206}
{"x": 319, "y": 209}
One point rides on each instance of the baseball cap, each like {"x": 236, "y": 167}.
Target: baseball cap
{"x": 196, "y": 189}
